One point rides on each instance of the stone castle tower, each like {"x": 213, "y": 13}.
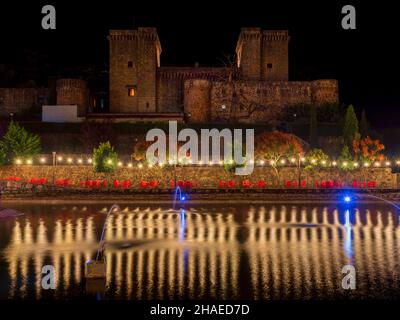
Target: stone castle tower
{"x": 134, "y": 59}
{"x": 263, "y": 54}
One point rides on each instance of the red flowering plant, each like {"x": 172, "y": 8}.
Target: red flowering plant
{"x": 368, "y": 150}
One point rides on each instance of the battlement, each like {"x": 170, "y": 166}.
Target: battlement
{"x": 276, "y": 35}
{"x": 144, "y": 33}
{"x": 184, "y": 73}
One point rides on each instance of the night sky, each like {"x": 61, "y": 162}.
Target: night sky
{"x": 365, "y": 61}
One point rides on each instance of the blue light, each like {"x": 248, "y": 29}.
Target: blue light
{"x": 183, "y": 198}
{"x": 347, "y": 199}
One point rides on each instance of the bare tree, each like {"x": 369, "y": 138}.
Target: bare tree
{"x": 237, "y": 99}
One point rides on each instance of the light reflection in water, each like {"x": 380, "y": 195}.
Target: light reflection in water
{"x": 182, "y": 232}
{"x": 348, "y": 242}
{"x": 261, "y": 252}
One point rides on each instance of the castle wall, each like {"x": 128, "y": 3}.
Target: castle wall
{"x": 197, "y": 100}
{"x": 20, "y": 100}
{"x": 325, "y": 91}
{"x": 169, "y": 95}
{"x": 73, "y": 92}
{"x": 271, "y": 97}
{"x": 170, "y": 84}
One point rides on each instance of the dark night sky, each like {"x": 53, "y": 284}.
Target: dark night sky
{"x": 365, "y": 61}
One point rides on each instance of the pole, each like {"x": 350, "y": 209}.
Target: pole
{"x": 54, "y": 164}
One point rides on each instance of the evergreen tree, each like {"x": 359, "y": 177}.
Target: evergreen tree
{"x": 350, "y": 129}
{"x": 346, "y": 161}
{"x": 313, "y": 127}
{"x": 104, "y": 158}
{"x": 18, "y": 143}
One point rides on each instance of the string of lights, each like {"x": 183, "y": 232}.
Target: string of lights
{"x": 81, "y": 161}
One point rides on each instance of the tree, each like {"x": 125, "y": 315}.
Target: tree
{"x": 364, "y": 125}
{"x": 140, "y": 149}
{"x": 18, "y": 143}
{"x": 313, "y": 127}
{"x": 236, "y": 98}
{"x": 104, "y": 158}
{"x": 350, "y": 129}
{"x": 273, "y": 146}
{"x": 368, "y": 150}
{"x": 346, "y": 161}
{"x": 316, "y": 159}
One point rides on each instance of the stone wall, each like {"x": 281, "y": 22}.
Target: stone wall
{"x": 213, "y": 100}
{"x": 170, "y": 84}
{"x": 73, "y": 92}
{"x": 169, "y": 95}
{"x": 197, "y": 100}
{"x": 207, "y": 177}
{"x": 20, "y": 100}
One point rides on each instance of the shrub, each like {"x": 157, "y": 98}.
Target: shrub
{"x": 104, "y": 158}
{"x": 18, "y": 143}
{"x": 140, "y": 149}
{"x": 231, "y": 167}
{"x": 368, "y": 150}
{"x": 346, "y": 160}
{"x": 316, "y": 158}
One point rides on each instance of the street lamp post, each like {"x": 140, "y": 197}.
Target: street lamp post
{"x": 174, "y": 174}
{"x": 54, "y": 164}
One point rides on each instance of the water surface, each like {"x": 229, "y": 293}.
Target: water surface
{"x": 210, "y": 251}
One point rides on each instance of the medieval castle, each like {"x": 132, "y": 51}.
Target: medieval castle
{"x": 252, "y": 88}
{"x": 255, "y": 87}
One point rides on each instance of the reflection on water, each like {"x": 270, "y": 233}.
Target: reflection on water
{"x": 260, "y": 252}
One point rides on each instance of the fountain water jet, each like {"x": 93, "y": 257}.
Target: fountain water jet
{"x": 384, "y": 200}
{"x": 180, "y": 196}
{"x": 113, "y": 207}
{"x": 96, "y": 269}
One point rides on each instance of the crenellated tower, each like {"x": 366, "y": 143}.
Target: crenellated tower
{"x": 263, "y": 54}
{"x": 134, "y": 60}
